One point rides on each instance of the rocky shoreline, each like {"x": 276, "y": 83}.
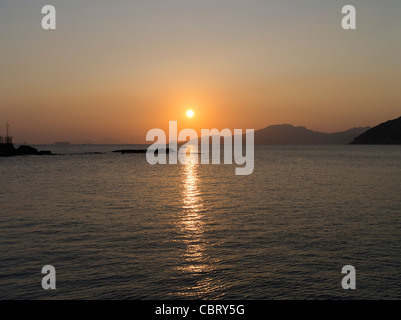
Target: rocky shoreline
{"x": 8, "y": 150}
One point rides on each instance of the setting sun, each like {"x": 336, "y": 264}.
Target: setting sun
{"x": 190, "y": 113}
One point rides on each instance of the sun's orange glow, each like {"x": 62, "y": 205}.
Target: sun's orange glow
{"x": 190, "y": 113}
{"x": 183, "y": 72}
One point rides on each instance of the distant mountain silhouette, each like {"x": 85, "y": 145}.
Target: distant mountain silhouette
{"x": 388, "y": 132}
{"x": 288, "y": 134}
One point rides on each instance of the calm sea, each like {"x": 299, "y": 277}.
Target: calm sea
{"x": 115, "y": 227}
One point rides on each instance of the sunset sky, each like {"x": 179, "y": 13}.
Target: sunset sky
{"x": 115, "y": 69}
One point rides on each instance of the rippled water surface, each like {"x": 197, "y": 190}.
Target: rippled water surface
{"x": 115, "y": 227}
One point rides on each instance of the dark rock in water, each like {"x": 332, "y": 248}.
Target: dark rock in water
{"x": 86, "y": 153}
{"x": 26, "y": 150}
{"x": 385, "y": 133}
{"x": 8, "y": 150}
{"x": 5, "y": 154}
{"x": 44, "y": 153}
{"x": 130, "y": 151}
{"x": 137, "y": 151}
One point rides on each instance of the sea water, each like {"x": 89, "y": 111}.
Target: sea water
{"x": 115, "y": 227}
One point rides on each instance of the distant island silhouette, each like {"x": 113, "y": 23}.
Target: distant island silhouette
{"x": 388, "y": 132}
{"x": 62, "y": 143}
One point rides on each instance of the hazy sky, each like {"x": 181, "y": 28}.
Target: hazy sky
{"x": 115, "y": 69}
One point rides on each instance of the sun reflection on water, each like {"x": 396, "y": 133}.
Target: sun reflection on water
{"x": 191, "y": 223}
{"x": 196, "y": 266}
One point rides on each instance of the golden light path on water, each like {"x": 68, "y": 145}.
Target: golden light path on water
{"x": 196, "y": 264}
